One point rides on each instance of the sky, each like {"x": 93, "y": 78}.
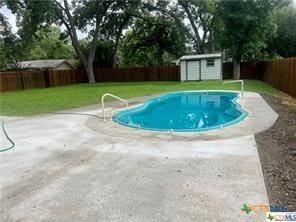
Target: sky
{"x": 11, "y": 18}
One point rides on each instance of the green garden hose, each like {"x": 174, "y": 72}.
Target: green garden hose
{"x": 12, "y": 144}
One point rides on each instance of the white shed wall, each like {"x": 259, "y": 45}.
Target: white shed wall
{"x": 183, "y": 70}
{"x": 212, "y": 72}
{"x": 194, "y": 72}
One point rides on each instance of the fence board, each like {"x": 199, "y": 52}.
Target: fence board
{"x": 62, "y": 77}
{"x": 10, "y": 82}
{"x": 138, "y": 74}
{"x": 33, "y": 79}
{"x": 19, "y": 80}
{"x": 248, "y": 70}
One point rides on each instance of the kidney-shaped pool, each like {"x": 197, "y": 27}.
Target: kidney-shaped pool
{"x": 184, "y": 112}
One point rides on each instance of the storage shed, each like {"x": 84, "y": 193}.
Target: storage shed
{"x": 53, "y": 64}
{"x": 201, "y": 67}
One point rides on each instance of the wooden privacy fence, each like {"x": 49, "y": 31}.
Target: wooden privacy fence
{"x": 64, "y": 77}
{"x": 20, "y": 80}
{"x": 281, "y": 74}
{"x": 138, "y": 74}
{"x": 248, "y": 70}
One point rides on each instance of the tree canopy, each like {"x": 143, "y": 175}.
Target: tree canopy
{"x": 48, "y": 43}
{"x": 245, "y": 28}
{"x": 284, "y": 42}
{"x": 10, "y": 45}
{"x": 147, "y": 32}
{"x": 151, "y": 40}
{"x": 80, "y": 15}
{"x": 104, "y": 52}
{"x": 201, "y": 16}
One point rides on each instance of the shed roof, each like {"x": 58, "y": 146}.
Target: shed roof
{"x": 201, "y": 56}
{"x": 45, "y": 64}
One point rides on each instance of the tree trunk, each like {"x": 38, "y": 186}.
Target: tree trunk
{"x": 198, "y": 44}
{"x": 115, "y": 51}
{"x": 118, "y": 35}
{"x": 211, "y": 42}
{"x": 160, "y": 53}
{"x": 87, "y": 63}
{"x": 90, "y": 72}
{"x": 236, "y": 68}
{"x": 70, "y": 26}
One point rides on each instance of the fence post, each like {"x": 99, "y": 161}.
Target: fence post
{"x": 46, "y": 78}
{"x": 22, "y": 80}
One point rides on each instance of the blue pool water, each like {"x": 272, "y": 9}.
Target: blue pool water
{"x": 184, "y": 111}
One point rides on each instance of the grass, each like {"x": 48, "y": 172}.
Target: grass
{"x": 35, "y": 101}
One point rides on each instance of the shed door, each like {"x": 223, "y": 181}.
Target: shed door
{"x": 193, "y": 70}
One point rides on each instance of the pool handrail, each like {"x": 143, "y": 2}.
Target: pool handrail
{"x": 103, "y": 104}
{"x": 242, "y": 85}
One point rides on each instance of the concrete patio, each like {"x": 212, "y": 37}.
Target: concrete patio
{"x": 63, "y": 170}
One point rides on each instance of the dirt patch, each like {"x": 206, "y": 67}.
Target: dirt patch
{"x": 277, "y": 151}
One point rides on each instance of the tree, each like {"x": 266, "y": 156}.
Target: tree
{"x": 104, "y": 52}
{"x": 149, "y": 40}
{"x": 84, "y": 15}
{"x": 120, "y": 20}
{"x": 201, "y": 17}
{"x": 284, "y": 42}
{"x": 245, "y": 28}
{"x": 116, "y": 30}
{"x": 197, "y": 19}
{"x": 9, "y": 44}
{"x": 48, "y": 43}
{"x": 133, "y": 55}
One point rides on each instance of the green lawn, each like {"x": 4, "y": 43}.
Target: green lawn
{"x": 36, "y": 101}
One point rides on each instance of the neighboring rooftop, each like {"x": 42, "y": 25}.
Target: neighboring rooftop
{"x": 45, "y": 64}
{"x": 201, "y": 56}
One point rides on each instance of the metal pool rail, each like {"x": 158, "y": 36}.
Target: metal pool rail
{"x": 242, "y": 85}
{"x": 116, "y": 97}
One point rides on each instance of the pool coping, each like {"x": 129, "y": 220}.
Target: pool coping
{"x": 260, "y": 117}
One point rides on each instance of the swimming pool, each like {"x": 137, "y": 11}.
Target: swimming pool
{"x": 186, "y": 111}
